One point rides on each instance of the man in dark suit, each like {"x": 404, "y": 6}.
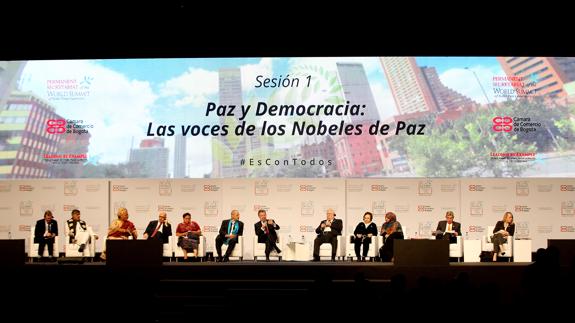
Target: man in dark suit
{"x": 266, "y": 231}
{"x": 45, "y": 233}
{"x": 448, "y": 229}
{"x": 159, "y": 229}
{"x": 230, "y": 230}
{"x": 327, "y": 232}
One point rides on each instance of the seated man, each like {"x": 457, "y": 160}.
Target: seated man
{"x": 45, "y": 233}
{"x": 159, "y": 229}
{"x": 327, "y": 232}
{"x": 229, "y": 232}
{"x": 448, "y": 229}
{"x": 266, "y": 231}
{"x": 77, "y": 231}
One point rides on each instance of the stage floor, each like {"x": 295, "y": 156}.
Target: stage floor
{"x": 289, "y": 271}
{"x": 176, "y": 291}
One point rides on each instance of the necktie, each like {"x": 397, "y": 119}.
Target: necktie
{"x": 449, "y": 227}
{"x": 232, "y": 228}
{"x": 156, "y": 231}
{"x": 266, "y": 229}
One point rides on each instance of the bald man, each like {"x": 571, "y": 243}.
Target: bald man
{"x": 159, "y": 229}
{"x": 230, "y": 230}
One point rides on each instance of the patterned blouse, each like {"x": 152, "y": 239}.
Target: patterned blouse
{"x": 183, "y": 227}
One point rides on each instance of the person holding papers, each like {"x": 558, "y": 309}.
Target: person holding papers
{"x": 448, "y": 229}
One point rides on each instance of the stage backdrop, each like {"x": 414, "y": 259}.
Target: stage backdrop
{"x": 543, "y": 208}
{"x": 297, "y": 205}
{"x": 418, "y": 203}
{"x": 23, "y": 202}
{"x": 288, "y": 117}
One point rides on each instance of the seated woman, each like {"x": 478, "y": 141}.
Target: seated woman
{"x": 188, "y": 234}
{"x": 362, "y": 235}
{"x": 390, "y": 230}
{"x": 120, "y": 229}
{"x": 503, "y": 229}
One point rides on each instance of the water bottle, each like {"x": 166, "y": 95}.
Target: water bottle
{"x": 9, "y": 235}
{"x": 302, "y": 238}
{"x": 466, "y": 235}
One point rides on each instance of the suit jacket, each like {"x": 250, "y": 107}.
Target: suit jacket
{"x": 262, "y": 237}
{"x": 455, "y": 226}
{"x": 224, "y": 228}
{"x": 501, "y": 226}
{"x": 336, "y": 227}
{"x": 41, "y": 228}
{"x": 361, "y": 229}
{"x": 164, "y": 235}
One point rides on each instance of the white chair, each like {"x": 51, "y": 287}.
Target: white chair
{"x": 371, "y": 253}
{"x": 406, "y": 234}
{"x": 456, "y": 249}
{"x": 325, "y": 249}
{"x": 260, "y": 249}
{"x": 33, "y": 247}
{"x": 487, "y": 245}
{"x": 238, "y": 252}
{"x": 179, "y": 252}
{"x": 168, "y": 248}
{"x": 71, "y": 249}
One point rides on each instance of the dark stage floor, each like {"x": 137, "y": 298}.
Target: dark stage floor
{"x": 177, "y": 292}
